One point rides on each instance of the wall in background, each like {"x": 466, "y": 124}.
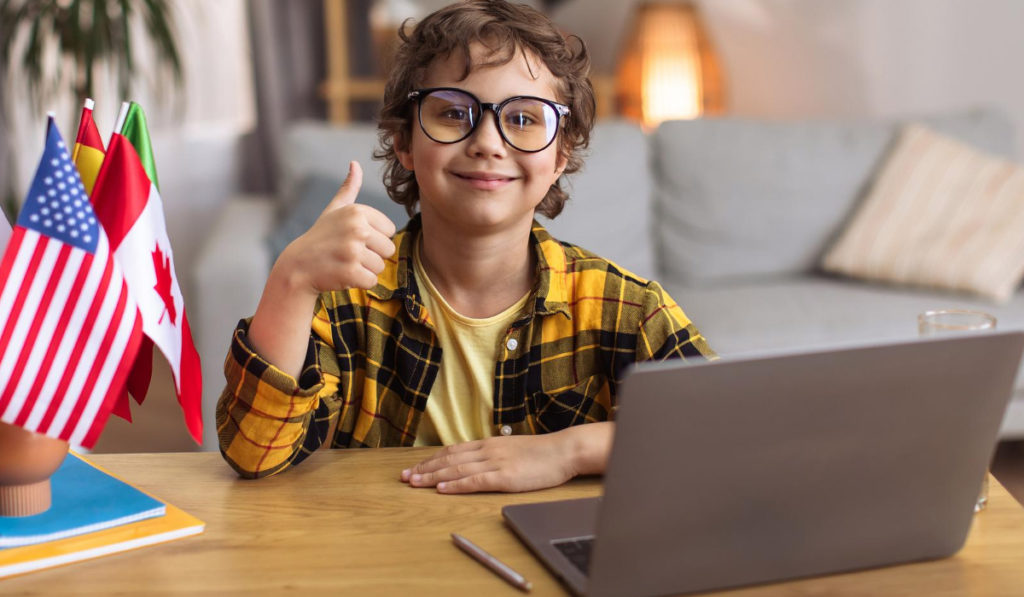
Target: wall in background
{"x": 851, "y": 58}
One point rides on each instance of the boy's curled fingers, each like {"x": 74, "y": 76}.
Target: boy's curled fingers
{"x": 380, "y": 222}
{"x": 380, "y": 244}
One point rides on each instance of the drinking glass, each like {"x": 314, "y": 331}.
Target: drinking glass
{"x": 954, "y": 321}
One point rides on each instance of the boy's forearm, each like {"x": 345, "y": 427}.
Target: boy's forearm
{"x": 279, "y": 330}
{"x": 590, "y": 445}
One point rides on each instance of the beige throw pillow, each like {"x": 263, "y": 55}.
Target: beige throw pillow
{"x": 939, "y": 214}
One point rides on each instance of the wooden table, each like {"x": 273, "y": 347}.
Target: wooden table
{"x": 342, "y": 523}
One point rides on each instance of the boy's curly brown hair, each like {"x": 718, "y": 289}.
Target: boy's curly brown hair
{"x": 508, "y": 30}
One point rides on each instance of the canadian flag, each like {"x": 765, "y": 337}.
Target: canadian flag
{"x": 128, "y": 205}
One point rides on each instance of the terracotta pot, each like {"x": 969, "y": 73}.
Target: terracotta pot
{"x": 27, "y": 460}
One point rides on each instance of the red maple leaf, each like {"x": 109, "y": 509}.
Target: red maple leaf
{"x": 164, "y": 277}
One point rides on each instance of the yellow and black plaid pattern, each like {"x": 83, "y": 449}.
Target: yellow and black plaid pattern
{"x": 373, "y": 357}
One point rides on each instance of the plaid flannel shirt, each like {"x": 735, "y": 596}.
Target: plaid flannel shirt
{"x": 373, "y": 356}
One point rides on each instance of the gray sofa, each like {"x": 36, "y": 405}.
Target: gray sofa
{"x": 731, "y": 215}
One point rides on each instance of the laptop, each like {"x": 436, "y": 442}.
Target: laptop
{"x": 759, "y": 469}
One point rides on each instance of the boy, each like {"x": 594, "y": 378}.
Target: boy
{"x": 472, "y": 328}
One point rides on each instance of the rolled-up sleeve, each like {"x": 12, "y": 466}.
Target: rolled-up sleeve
{"x": 266, "y": 419}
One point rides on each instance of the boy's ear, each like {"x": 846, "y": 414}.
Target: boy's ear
{"x": 560, "y": 164}
{"x": 403, "y": 153}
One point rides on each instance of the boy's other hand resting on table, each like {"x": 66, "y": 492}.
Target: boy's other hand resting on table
{"x": 516, "y": 463}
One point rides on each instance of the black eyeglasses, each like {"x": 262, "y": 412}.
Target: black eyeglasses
{"x": 449, "y": 115}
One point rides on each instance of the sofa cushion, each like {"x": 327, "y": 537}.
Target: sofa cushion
{"x": 809, "y": 312}
{"x": 736, "y": 198}
{"x": 609, "y": 207}
{"x": 320, "y": 149}
{"x": 940, "y": 214}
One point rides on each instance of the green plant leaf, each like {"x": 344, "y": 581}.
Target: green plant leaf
{"x": 88, "y": 34}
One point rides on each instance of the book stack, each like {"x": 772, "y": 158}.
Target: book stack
{"x": 92, "y": 514}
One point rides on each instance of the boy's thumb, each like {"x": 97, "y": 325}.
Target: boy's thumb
{"x": 349, "y": 189}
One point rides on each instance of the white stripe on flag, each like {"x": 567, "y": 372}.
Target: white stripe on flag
{"x": 49, "y": 331}
{"x": 28, "y": 315}
{"x": 18, "y": 269}
{"x": 111, "y": 362}
{"x": 80, "y": 362}
{"x": 72, "y": 330}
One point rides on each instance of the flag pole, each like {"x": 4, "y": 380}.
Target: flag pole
{"x": 51, "y": 116}
{"x": 120, "y": 118}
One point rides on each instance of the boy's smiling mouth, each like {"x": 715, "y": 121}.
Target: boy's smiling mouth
{"x": 484, "y": 180}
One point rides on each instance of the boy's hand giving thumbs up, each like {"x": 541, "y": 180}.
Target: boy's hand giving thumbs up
{"x": 345, "y": 248}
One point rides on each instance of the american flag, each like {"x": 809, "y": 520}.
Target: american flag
{"x": 69, "y": 329}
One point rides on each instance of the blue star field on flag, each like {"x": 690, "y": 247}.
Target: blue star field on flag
{"x": 57, "y": 204}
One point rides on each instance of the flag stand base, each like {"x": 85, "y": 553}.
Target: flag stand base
{"x": 27, "y": 460}
{"x": 25, "y": 500}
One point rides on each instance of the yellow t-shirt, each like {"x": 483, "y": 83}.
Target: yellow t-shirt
{"x": 461, "y": 402}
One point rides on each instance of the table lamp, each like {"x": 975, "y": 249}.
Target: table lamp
{"x": 667, "y": 69}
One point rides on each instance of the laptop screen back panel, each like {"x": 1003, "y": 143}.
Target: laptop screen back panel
{"x": 748, "y": 471}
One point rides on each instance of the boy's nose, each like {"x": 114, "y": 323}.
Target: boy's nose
{"x": 486, "y": 139}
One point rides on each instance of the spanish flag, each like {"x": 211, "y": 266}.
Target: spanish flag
{"x": 88, "y": 152}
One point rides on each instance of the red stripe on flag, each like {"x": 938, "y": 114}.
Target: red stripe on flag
{"x": 13, "y": 244}
{"x": 62, "y": 331}
{"x": 42, "y": 310}
{"x": 61, "y": 392}
{"x": 121, "y": 190}
{"x": 102, "y": 356}
{"x": 116, "y": 384}
{"x": 19, "y": 300}
{"x": 6, "y": 267}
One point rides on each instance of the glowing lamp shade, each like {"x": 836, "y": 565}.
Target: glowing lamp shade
{"x": 667, "y": 68}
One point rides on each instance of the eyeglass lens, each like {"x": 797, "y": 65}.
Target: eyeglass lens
{"x": 448, "y": 116}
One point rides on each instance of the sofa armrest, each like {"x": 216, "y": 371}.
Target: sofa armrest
{"x": 229, "y": 275}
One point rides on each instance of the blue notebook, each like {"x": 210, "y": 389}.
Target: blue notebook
{"x": 85, "y": 499}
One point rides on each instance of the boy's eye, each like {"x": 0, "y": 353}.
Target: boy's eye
{"x": 520, "y": 119}
{"x": 459, "y": 114}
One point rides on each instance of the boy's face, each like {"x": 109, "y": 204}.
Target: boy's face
{"x": 481, "y": 183}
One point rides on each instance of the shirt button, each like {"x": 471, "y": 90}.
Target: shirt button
{"x": 511, "y": 344}
{"x": 506, "y": 430}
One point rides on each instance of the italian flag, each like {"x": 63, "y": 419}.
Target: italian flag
{"x": 128, "y": 205}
